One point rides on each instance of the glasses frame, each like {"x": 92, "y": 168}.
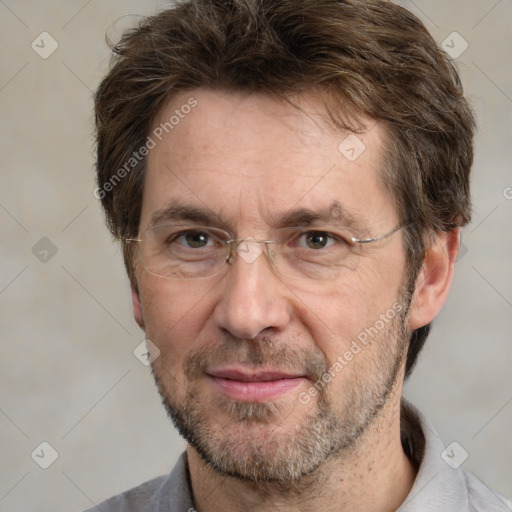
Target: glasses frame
{"x": 234, "y": 243}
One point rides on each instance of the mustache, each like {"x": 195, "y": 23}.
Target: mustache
{"x": 262, "y": 353}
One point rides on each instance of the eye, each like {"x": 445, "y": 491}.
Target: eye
{"x": 193, "y": 239}
{"x": 316, "y": 240}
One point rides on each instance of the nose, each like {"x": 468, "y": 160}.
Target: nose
{"x": 252, "y": 298}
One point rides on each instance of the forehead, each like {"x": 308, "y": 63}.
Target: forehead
{"x": 250, "y": 157}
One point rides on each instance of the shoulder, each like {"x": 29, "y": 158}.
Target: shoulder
{"x": 483, "y": 499}
{"x": 441, "y": 484}
{"x": 171, "y": 493}
{"x": 138, "y": 499}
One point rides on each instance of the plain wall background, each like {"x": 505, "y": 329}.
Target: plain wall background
{"x": 69, "y": 375}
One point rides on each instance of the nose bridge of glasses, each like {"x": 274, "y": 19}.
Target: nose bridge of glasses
{"x": 249, "y": 249}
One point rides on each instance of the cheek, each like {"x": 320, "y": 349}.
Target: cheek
{"x": 337, "y": 315}
{"x": 174, "y": 317}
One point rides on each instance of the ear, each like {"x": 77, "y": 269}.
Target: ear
{"x": 435, "y": 278}
{"x": 137, "y": 310}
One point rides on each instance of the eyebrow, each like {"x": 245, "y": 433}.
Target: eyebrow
{"x": 335, "y": 214}
{"x": 175, "y": 211}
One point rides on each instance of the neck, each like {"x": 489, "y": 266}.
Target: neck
{"x": 373, "y": 476}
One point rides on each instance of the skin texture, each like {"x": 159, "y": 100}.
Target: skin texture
{"x": 250, "y": 159}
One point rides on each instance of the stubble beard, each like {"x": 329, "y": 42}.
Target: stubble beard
{"x": 254, "y": 442}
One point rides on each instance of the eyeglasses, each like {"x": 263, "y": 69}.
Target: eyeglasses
{"x": 180, "y": 251}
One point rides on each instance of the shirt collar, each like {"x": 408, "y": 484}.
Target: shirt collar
{"x": 437, "y": 486}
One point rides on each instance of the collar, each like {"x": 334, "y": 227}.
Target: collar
{"x": 437, "y": 485}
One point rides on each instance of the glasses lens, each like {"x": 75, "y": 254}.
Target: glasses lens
{"x": 180, "y": 251}
{"x": 307, "y": 253}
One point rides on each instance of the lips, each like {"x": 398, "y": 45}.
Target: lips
{"x": 254, "y": 386}
{"x": 261, "y": 376}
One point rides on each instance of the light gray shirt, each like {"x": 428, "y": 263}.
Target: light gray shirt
{"x": 440, "y": 486}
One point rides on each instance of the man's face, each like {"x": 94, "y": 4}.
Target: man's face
{"x": 240, "y": 352}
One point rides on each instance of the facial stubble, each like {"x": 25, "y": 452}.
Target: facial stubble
{"x": 264, "y": 442}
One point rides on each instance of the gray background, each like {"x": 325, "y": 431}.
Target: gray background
{"x": 69, "y": 375}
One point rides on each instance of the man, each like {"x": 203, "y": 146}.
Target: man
{"x": 288, "y": 180}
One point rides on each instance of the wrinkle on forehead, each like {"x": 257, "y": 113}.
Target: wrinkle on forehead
{"x": 250, "y": 159}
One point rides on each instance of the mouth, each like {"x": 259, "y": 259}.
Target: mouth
{"x": 254, "y": 386}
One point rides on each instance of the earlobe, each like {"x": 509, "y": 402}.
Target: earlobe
{"x": 435, "y": 278}
{"x": 137, "y": 310}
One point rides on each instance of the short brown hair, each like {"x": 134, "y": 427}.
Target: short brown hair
{"x": 368, "y": 57}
